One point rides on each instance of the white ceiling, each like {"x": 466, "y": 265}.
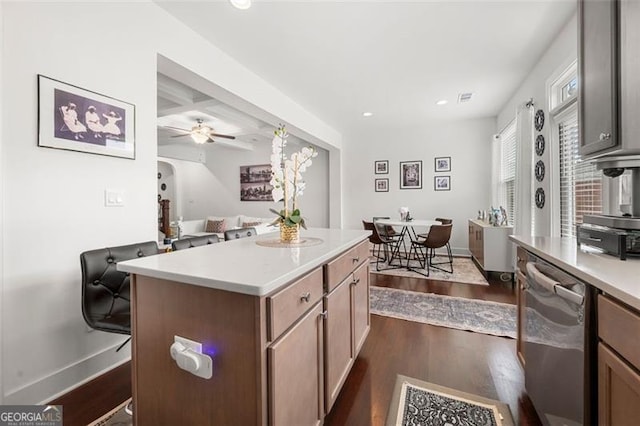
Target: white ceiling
{"x": 394, "y": 58}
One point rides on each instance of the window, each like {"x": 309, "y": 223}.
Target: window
{"x": 504, "y": 153}
{"x": 580, "y": 182}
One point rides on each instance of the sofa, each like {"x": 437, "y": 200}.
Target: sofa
{"x": 218, "y": 224}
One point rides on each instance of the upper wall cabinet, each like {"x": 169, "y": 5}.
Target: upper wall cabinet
{"x": 609, "y": 66}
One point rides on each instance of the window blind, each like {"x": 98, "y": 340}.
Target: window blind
{"x": 507, "y": 171}
{"x": 580, "y": 182}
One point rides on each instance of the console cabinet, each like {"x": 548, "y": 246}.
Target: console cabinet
{"x": 490, "y": 246}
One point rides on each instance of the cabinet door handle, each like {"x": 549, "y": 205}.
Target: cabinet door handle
{"x": 324, "y": 314}
{"x": 356, "y": 259}
{"x": 305, "y": 297}
{"x": 605, "y": 136}
{"x": 355, "y": 281}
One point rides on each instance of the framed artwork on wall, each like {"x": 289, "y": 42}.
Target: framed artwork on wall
{"x": 442, "y": 164}
{"x": 77, "y": 119}
{"x": 411, "y": 174}
{"x": 254, "y": 183}
{"x": 381, "y": 167}
{"x": 382, "y": 185}
{"x": 442, "y": 183}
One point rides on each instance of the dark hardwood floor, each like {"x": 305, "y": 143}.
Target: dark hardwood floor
{"x": 470, "y": 362}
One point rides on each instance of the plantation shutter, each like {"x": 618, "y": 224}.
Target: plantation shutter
{"x": 507, "y": 171}
{"x": 580, "y": 182}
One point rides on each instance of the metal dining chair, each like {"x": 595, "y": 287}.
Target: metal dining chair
{"x": 235, "y": 234}
{"x": 438, "y": 237}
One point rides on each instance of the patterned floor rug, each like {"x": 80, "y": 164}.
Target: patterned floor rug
{"x": 464, "y": 271}
{"x": 419, "y": 403}
{"x": 115, "y": 417}
{"x": 480, "y": 316}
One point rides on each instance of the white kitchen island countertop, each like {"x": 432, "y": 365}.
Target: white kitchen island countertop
{"x": 242, "y": 266}
{"x": 619, "y": 278}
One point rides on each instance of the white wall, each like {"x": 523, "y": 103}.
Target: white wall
{"x": 468, "y": 143}
{"x": 213, "y": 188}
{"x": 560, "y": 53}
{"x": 53, "y": 202}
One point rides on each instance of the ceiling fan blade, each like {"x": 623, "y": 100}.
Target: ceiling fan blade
{"x": 218, "y": 135}
{"x": 177, "y": 128}
{"x": 180, "y": 136}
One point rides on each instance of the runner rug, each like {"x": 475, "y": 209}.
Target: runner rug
{"x": 464, "y": 271}
{"x": 418, "y": 403}
{"x": 480, "y": 316}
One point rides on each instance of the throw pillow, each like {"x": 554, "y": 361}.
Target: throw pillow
{"x": 250, "y": 224}
{"x": 216, "y": 226}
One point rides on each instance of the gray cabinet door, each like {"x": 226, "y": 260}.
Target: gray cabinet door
{"x": 598, "y": 76}
{"x": 629, "y": 71}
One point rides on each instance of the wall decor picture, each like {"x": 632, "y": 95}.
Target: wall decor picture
{"x": 77, "y": 119}
{"x": 442, "y": 183}
{"x": 539, "y": 170}
{"x": 442, "y": 164}
{"x": 254, "y": 183}
{"x": 411, "y": 175}
{"x": 538, "y": 120}
{"x": 539, "y": 145}
{"x": 382, "y": 185}
{"x": 381, "y": 167}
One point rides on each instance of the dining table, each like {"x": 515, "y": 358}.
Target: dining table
{"x": 408, "y": 229}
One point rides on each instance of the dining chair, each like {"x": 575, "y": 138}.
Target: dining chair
{"x": 235, "y": 234}
{"x": 438, "y": 236}
{"x": 391, "y": 247}
{"x": 186, "y": 243}
{"x": 374, "y": 238}
{"x": 388, "y": 229}
{"x": 443, "y": 221}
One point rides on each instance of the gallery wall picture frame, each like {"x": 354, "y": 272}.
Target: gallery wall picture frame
{"x": 442, "y": 164}
{"x": 442, "y": 183}
{"x": 77, "y": 119}
{"x": 382, "y": 185}
{"x": 411, "y": 174}
{"x": 381, "y": 167}
{"x": 255, "y": 183}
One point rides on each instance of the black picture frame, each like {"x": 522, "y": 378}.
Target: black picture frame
{"x": 411, "y": 174}
{"x": 255, "y": 183}
{"x": 77, "y": 119}
{"x": 442, "y": 183}
{"x": 381, "y": 167}
{"x": 382, "y": 185}
{"x": 442, "y": 164}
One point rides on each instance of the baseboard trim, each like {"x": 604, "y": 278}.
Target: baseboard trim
{"x": 68, "y": 378}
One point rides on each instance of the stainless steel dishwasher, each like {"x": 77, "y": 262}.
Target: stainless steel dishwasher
{"x": 558, "y": 345}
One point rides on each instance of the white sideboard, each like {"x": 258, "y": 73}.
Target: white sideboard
{"x": 490, "y": 246}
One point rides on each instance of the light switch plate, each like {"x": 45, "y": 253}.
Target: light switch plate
{"x": 113, "y": 198}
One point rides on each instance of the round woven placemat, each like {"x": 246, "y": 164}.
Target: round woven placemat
{"x": 304, "y": 242}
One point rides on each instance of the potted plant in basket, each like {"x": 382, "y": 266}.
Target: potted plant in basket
{"x": 287, "y": 182}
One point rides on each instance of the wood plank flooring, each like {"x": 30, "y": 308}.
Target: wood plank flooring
{"x": 470, "y": 362}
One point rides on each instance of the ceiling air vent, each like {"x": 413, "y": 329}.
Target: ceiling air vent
{"x": 464, "y": 97}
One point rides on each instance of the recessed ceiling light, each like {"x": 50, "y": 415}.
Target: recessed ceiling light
{"x": 367, "y": 114}
{"x": 442, "y": 102}
{"x": 241, "y": 4}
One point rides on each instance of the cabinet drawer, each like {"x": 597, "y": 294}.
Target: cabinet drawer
{"x": 618, "y": 327}
{"x": 289, "y": 304}
{"x": 343, "y": 265}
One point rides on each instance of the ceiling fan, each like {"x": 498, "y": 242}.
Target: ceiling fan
{"x": 200, "y": 133}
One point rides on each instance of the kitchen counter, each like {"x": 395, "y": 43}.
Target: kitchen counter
{"x": 619, "y": 278}
{"x": 242, "y": 266}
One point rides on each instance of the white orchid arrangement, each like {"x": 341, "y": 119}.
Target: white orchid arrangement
{"x": 286, "y": 178}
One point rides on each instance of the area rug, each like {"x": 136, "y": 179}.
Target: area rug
{"x": 464, "y": 271}
{"x": 418, "y": 403}
{"x": 115, "y": 417}
{"x": 480, "y": 316}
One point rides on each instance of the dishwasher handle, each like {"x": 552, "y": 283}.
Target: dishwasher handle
{"x": 552, "y": 285}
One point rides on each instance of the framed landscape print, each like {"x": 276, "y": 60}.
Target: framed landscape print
{"x": 411, "y": 175}
{"x": 254, "y": 183}
{"x": 81, "y": 120}
{"x": 382, "y": 185}
{"x": 442, "y": 183}
{"x": 443, "y": 164}
{"x": 381, "y": 167}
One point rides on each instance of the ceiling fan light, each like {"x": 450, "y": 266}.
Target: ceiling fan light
{"x": 199, "y": 137}
{"x": 241, "y": 4}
